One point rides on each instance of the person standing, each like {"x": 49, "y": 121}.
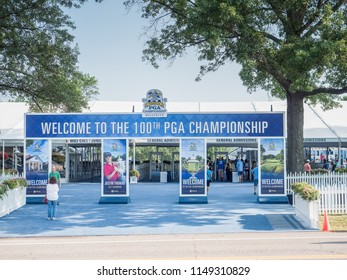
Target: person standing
{"x": 332, "y": 166}
{"x": 239, "y": 166}
{"x": 229, "y": 171}
{"x": 246, "y": 170}
{"x": 221, "y": 168}
{"x": 208, "y": 177}
{"x": 52, "y": 191}
{"x": 307, "y": 167}
{"x": 56, "y": 174}
{"x": 325, "y": 164}
{"x": 255, "y": 173}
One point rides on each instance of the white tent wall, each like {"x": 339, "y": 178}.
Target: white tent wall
{"x": 317, "y": 122}
{"x": 12, "y": 120}
{"x": 11, "y": 134}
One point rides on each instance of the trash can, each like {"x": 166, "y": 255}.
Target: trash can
{"x": 235, "y": 177}
{"x": 163, "y": 177}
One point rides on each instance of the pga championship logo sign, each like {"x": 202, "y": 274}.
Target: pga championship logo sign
{"x": 154, "y": 105}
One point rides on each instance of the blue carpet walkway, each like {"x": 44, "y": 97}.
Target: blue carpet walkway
{"x": 154, "y": 209}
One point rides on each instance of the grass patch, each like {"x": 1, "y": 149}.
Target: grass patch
{"x": 272, "y": 165}
{"x": 336, "y": 222}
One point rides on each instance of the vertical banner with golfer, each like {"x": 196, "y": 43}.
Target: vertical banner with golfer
{"x": 114, "y": 169}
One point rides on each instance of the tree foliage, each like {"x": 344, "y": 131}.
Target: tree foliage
{"x": 143, "y": 153}
{"x": 294, "y": 49}
{"x": 37, "y": 57}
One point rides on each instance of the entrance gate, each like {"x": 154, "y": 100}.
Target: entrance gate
{"x": 175, "y": 166}
{"x": 84, "y": 163}
{"x": 225, "y": 159}
{"x": 192, "y": 130}
{"x": 155, "y": 165}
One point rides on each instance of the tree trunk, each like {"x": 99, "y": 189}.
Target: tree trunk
{"x": 295, "y": 132}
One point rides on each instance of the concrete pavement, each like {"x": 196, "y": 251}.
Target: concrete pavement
{"x": 312, "y": 245}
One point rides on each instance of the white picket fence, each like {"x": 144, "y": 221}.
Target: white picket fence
{"x": 7, "y": 176}
{"x": 332, "y": 188}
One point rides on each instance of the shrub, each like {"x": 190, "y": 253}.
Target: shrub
{"x": 11, "y": 184}
{"x": 3, "y": 190}
{"x": 306, "y": 191}
{"x": 11, "y": 172}
{"x": 319, "y": 171}
{"x": 134, "y": 172}
{"x": 341, "y": 170}
{"x": 22, "y": 182}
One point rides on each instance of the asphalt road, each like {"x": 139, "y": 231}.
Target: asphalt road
{"x": 155, "y": 231}
{"x": 234, "y": 246}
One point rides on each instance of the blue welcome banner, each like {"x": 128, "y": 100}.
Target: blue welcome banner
{"x": 46, "y": 126}
{"x": 114, "y": 167}
{"x": 36, "y": 161}
{"x": 193, "y": 167}
{"x": 272, "y": 177}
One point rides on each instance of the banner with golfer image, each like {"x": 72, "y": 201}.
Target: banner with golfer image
{"x": 114, "y": 167}
{"x": 193, "y": 167}
{"x": 272, "y": 166}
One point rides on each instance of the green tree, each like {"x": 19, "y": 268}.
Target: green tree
{"x": 280, "y": 156}
{"x": 143, "y": 153}
{"x": 294, "y": 49}
{"x": 37, "y": 57}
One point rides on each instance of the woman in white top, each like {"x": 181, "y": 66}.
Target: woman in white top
{"x": 52, "y": 198}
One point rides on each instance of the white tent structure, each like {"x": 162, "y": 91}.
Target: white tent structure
{"x": 11, "y": 132}
{"x": 12, "y": 120}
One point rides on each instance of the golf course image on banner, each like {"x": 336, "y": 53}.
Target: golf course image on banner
{"x": 272, "y": 166}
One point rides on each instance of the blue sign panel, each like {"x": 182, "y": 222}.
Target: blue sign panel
{"x": 36, "y": 161}
{"x": 136, "y": 126}
{"x": 272, "y": 167}
{"x": 114, "y": 167}
{"x": 193, "y": 166}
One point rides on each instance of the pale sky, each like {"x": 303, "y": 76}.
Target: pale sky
{"x": 111, "y": 49}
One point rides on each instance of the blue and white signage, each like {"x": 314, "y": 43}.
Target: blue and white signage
{"x": 36, "y": 166}
{"x": 154, "y": 105}
{"x": 114, "y": 167}
{"x": 48, "y": 126}
{"x": 272, "y": 178}
{"x": 193, "y": 173}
